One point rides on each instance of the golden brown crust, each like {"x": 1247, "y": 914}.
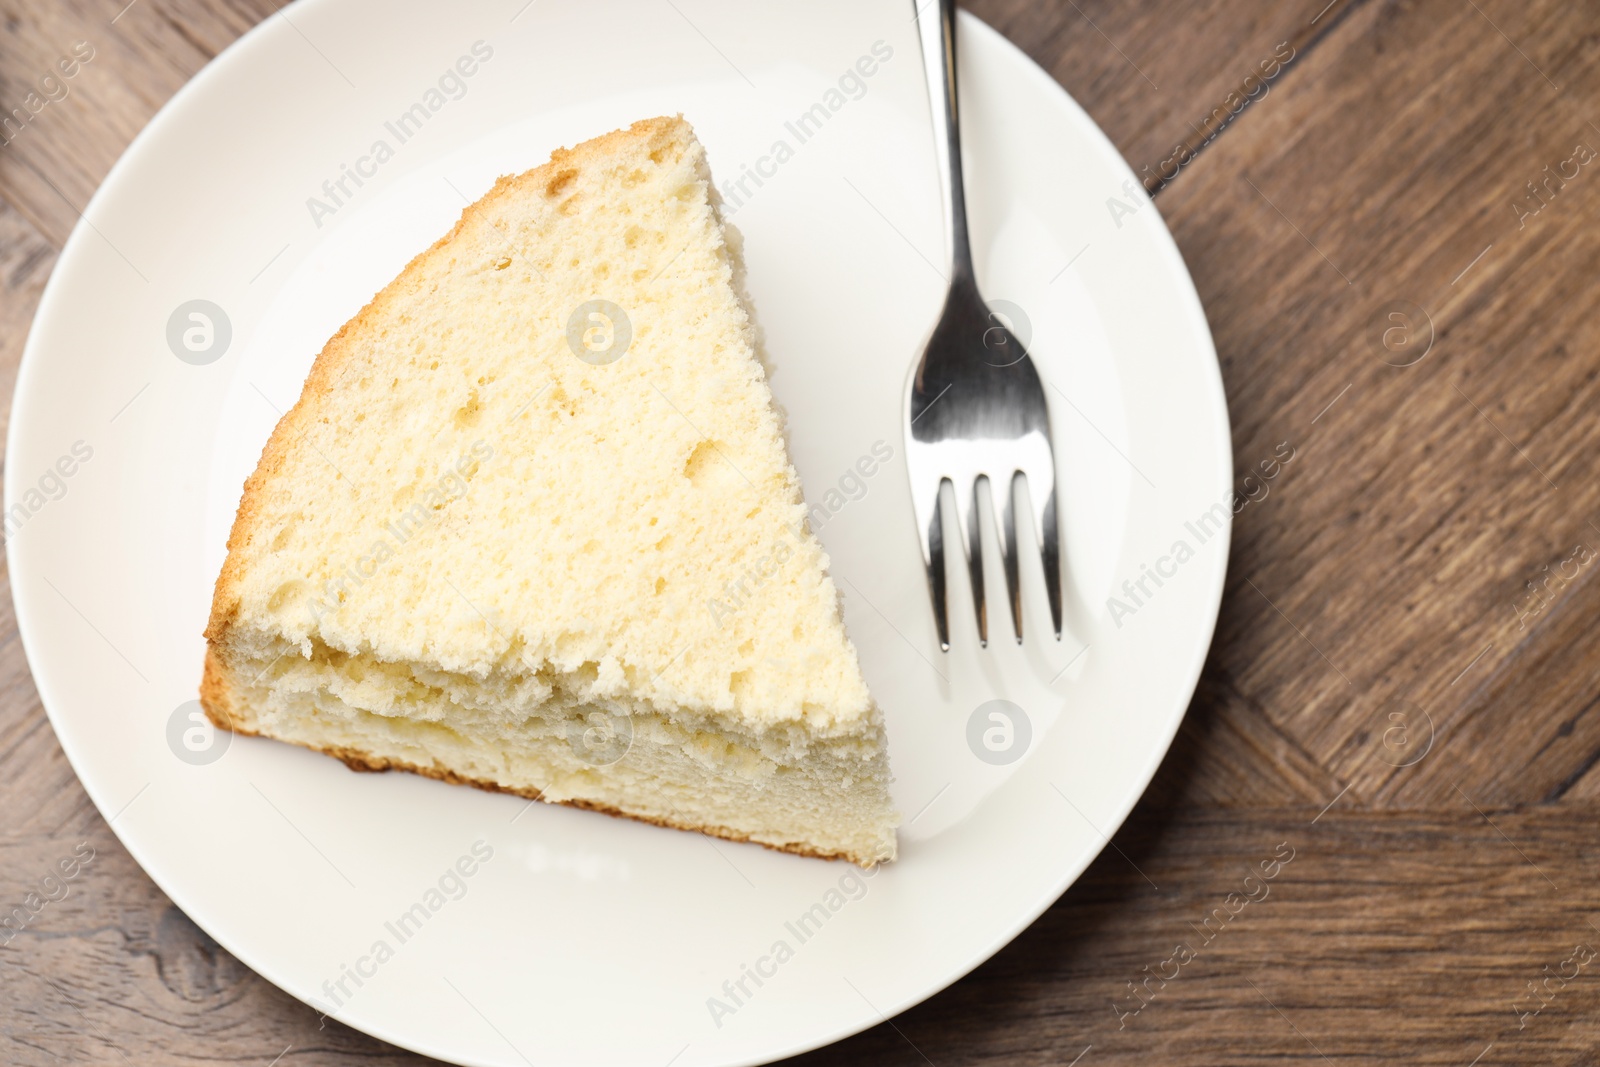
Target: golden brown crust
{"x": 337, "y": 352}
{"x": 216, "y": 697}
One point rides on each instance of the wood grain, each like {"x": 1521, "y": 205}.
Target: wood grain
{"x": 1437, "y": 870}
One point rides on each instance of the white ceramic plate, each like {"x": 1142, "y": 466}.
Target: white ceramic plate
{"x": 584, "y": 939}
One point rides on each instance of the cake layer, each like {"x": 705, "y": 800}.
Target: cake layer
{"x": 824, "y": 797}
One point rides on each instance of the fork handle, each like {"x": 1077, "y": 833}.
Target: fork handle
{"x": 938, "y": 36}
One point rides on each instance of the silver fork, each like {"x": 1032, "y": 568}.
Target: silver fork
{"x": 975, "y": 408}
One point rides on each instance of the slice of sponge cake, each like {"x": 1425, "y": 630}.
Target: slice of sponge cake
{"x": 531, "y": 526}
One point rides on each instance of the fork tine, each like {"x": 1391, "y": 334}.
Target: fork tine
{"x": 935, "y": 560}
{"x": 970, "y": 519}
{"x": 1049, "y": 548}
{"x": 1008, "y": 549}
{"x": 929, "y": 508}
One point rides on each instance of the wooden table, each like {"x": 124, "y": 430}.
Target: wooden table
{"x": 1387, "y": 696}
